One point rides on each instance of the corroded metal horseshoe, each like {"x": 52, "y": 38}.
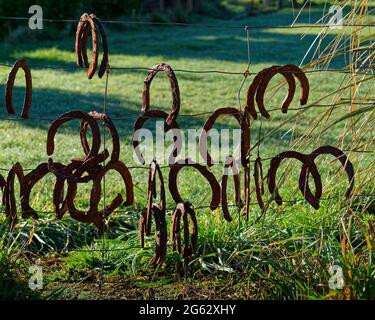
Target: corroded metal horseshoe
{"x": 258, "y": 181}
{"x": 329, "y": 150}
{"x": 215, "y": 186}
{"x": 242, "y": 119}
{"x": 155, "y": 114}
{"x": 308, "y": 161}
{"x": 112, "y": 130}
{"x": 250, "y": 98}
{"x": 71, "y": 115}
{"x": 104, "y": 62}
{"x": 203, "y": 145}
{"x": 29, "y": 181}
{"x": 84, "y": 42}
{"x": 9, "y": 88}
{"x": 9, "y": 198}
{"x": 186, "y": 211}
{"x": 237, "y": 188}
{"x": 172, "y": 116}
{"x": 288, "y": 71}
{"x": 261, "y": 81}
{"x": 161, "y": 235}
{"x": 93, "y": 214}
{"x": 85, "y": 18}
{"x": 267, "y": 76}
{"x": 151, "y": 193}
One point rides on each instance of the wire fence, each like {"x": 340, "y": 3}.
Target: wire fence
{"x": 244, "y": 75}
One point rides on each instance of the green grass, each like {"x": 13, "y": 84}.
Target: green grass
{"x": 287, "y": 252}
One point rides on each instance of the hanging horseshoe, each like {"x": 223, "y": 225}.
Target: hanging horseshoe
{"x": 9, "y": 198}
{"x": 329, "y": 150}
{"x": 305, "y": 159}
{"x": 104, "y": 63}
{"x": 84, "y": 42}
{"x": 172, "y": 116}
{"x": 70, "y": 116}
{"x": 288, "y": 71}
{"x": 250, "y": 98}
{"x": 258, "y": 181}
{"x": 215, "y": 186}
{"x": 186, "y": 211}
{"x": 203, "y": 145}
{"x": 112, "y": 130}
{"x": 9, "y": 88}
{"x": 160, "y": 235}
{"x": 237, "y": 188}
{"x": 267, "y": 76}
{"x": 91, "y": 166}
{"x": 151, "y": 193}
{"x": 85, "y": 18}
{"x": 29, "y": 181}
{"x": 93, "y": 215}
{"x": 156, "y": 114}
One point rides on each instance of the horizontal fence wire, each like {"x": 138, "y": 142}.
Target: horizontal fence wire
{"x": 194, "y": 25}
{"x": 290, "y": 201}
{"x": 70, "y": 67}
{"x": 329, "y": 105}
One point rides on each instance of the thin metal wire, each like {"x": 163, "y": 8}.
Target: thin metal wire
{"x": 343, "y": 103}
{"x": 191, "y": 25}
{"x": 70, "y": 67}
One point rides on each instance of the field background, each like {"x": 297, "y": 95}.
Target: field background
{"x": 284, "y": 253}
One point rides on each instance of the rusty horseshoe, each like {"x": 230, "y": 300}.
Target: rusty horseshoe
{"x": 308, "y": 161}
{"x": 172, "y": 116}
{"x": 329, "y": 150}
{"x": 185, "y": 211}
{"x": 9, "y": 88}
{"x": 215, "y": 186}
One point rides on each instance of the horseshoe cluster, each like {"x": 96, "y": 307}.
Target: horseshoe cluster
{"x": 91, "y": 167}
{"x": 95, "y": 164}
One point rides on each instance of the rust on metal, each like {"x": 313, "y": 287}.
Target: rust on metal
{"x": 203, "y": 139}
{"x": 328, "y": 150}
{"x": 260, "y": 83}
{"x": 306, "y": 160}
{"x": 230, "y": 164}
{"x": 172, "y": 116}
{"x": 112, "y": 130}
{"x": 10, "y": 84}
{"x": 161, "y": 235}
{"x": 93, "y": 214}
{"x": 81, "y": 27}
{"x": 185, "y": 211}
{"x": 172, "y": 182}
{"x": 68, "y": 116}
{"x": 9, "y": 198}
{"x": 154, "y": 171}
{"x": 258, "y": 181}
{"x": 157, "y": 114}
